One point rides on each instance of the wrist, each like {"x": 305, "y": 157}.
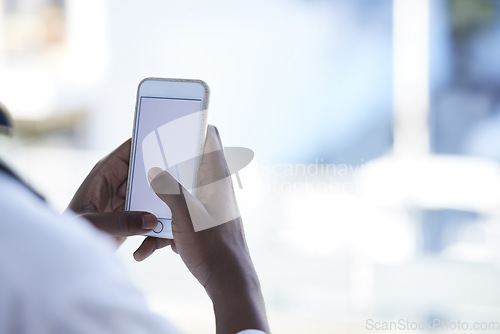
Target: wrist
{"x": 237, "y": 298}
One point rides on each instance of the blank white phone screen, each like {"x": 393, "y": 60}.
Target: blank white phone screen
{"x": 168, "y": 136}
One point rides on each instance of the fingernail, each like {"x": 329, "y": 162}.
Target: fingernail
{"x": 138, "y": 257}
{"x": 154, "y": 172}
{"x": 149, "y": 222}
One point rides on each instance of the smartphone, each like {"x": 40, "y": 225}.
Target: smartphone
{"x": 169, "y": 132}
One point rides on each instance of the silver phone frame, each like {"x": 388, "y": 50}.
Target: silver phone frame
{"x": 204, "y": 99}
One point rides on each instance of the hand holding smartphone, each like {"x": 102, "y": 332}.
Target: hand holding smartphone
{"x": 169, "y": 132}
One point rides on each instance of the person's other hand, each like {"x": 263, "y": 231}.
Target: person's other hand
{"x": 101, "y": 198}
{"x": 217, "y": 255}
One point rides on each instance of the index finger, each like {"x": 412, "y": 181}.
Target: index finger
{"x": 123, "y": 223}
{"x": 122, "y": 152}
{"x": 213, "y": 165}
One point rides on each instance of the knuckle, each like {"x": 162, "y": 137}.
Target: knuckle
{"x": 124, "y": 223}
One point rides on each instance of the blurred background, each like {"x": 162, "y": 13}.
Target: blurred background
{"x": 375, "y": 188}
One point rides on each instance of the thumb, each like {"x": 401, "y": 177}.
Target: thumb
{"x": 179, "y": 200}
{"x": 122, "y": 223}
{"x": 166, "y": 187}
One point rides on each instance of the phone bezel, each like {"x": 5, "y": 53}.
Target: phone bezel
{"x": 174, "y": 89}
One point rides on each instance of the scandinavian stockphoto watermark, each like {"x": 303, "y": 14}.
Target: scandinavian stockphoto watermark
{"x": 316, "y": 175}
{"x": 206, "y": 175}
{"x": 204, "y": 178}
{"x": 435, "y": 324}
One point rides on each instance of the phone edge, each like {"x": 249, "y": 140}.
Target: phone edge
{"x": 133, "y": 139}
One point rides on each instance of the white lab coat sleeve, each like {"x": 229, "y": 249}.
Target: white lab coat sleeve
{"x": 62, "y": 277}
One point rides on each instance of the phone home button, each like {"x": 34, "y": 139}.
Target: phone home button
{"x": 159, "y": 227}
